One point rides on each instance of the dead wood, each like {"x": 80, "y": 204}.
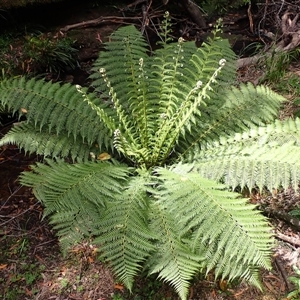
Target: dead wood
{"x": 289, "y": 40}
{"x": 289, "y": 239}
{"x": 102, "y": 21}
{"x": 288, "y": 219}
{"x": 280, "y": 266}
{"x": 194, "y": 12}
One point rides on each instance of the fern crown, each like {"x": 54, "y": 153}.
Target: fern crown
{"x": 145, "y": 162}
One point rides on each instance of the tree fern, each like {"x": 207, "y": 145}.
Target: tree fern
{"x": 144, "y": 161}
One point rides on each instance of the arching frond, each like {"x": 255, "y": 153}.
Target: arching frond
{"x": 238, "y": 110}
{"x": 233, "y": 238}
{"x": 57, "y": 108}
{"x": 46, "y": 143}
{"x": 75, "y": 196}
{"x": 266, "y": 156}
{"x": 173, "y": 259}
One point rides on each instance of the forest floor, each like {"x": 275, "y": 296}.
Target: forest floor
{"x": 31, "y": 264}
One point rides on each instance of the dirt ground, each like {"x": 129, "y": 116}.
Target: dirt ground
{"x": 31, "y": 264}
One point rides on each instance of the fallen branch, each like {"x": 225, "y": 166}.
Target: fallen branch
{"x": 289, "y": 239}
{"x": 283, "y": 273}
{"x": 100, "y": 20}
{"x": 290, "y": 220}
{"x": 290, "y": 40}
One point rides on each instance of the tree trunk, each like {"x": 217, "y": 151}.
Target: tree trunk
{"x": 194, "y": 12}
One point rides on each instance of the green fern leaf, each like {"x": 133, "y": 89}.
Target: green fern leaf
{"x": 233, "y": 238}
{"x": 265, "y": 156}
{"x": 55, "y": 108}
{"x": 239, "y": 109}
{"x": 123, "y": 232}
{"x": 129, "y": 83}
{"x": 173, "y": 260}
{"x": 75, "y": 195}
{"x": 187, "y": 80}
{"x": 46, "y": 143}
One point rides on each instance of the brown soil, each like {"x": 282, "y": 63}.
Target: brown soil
{"x": 31, "y": 264}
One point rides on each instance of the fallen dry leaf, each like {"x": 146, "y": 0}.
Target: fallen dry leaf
{"x": 3, "y": 266}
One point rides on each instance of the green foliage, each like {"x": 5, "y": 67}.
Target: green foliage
{"x": 144, "y": 163}
{"x": 51, "y": 54}
{"x": 18, "y": 278}
{"x": 221, "y": 6}
{"x": 36, "y": 53}
{"x": 276, "y": 65}
{"x": 295, "y": 294}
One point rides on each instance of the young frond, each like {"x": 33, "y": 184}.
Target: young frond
{"x": 186, "y": 80}
{"x": 204, "y": 60}
{"x": 233, "y": 238}
{"x": 121, "y": 75}
{"x": 238, "y": 110}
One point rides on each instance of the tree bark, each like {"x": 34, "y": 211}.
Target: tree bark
{"x": 194, "y": 12}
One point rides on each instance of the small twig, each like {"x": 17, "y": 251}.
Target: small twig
{"x": 145, "y": 21}
{"x": 43, "y": 244}
{"x": 250, "y": 18}
{"x": 145, "y": 11}
{"x": 11, "y": 218}
{"x": 283, "y": 273}
{"x": 135, "y": 3}
{"x": 11, "y": 195}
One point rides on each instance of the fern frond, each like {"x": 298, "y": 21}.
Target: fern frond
{"x": 239, "y": 109}
{"x": 180, "y": 104}
{"x": 123, "y": 232}
{"x": 188, "y": 88}
{"x": 123, "y": 80}
{"x": 265, "y": 156}
{"x": 75, "y": 196}
{"x": 57, "y": 108}
{"x": 173, "y": 260}
{"x": 48, "y": 144}
{"x": 234, "y": 238}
